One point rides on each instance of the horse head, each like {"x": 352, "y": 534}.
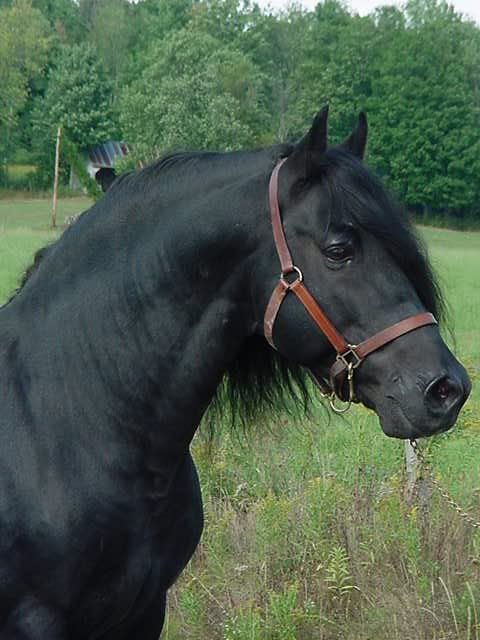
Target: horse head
{"x": 363, "y": 317}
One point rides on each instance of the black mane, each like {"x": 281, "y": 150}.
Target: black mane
{"x": 260, "y": 381}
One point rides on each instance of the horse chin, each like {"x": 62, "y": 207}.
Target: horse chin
{"x": 396, "y": 423}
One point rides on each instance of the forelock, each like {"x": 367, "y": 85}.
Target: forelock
{"x": 357, "y": 196}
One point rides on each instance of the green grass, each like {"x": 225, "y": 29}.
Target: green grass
{"x": 308, "y": 533}
{"x": 16, "y": 171}
{"x": 35, "y": 214}
{"x": 456, "y": 258}
{"x": 24, "y": 228}
{"x": 19, "y": 176}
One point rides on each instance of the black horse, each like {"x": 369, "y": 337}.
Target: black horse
{"x": 116, "y": 343}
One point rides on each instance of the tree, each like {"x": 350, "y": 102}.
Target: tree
{"x": 334, "y": 68}
{"x": 64, "y": 18}
{"x": 24, "y": 42}
{"x": 426, "y": 112}
{"x": 194, "y": 93}
{"x": 78, "y": 97}
{"x": 274, "y": 43}
{"x": 111, "y": 34}
{"x": 159, "y": 18}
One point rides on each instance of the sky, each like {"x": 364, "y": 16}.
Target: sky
{"x": 470, "y": 8}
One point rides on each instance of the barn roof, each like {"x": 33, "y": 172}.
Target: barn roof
{"x": 105, "y": 154}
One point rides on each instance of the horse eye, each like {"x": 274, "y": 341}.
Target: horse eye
{"x": 339, "y": 252}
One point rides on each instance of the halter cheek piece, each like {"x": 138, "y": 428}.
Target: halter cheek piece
{"x": 349, "y": 356}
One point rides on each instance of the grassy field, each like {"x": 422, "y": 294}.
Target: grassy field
{"x": 24, "y": 228}
{"x": 20, "y": 170}
{"x": 308, "y": 532}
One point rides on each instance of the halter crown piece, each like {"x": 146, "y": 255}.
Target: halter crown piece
{"x": 349, "y": 356}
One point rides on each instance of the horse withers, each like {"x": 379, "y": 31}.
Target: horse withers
{"x": 118, "y": 339}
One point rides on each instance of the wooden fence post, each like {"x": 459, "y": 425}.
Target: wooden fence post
{"x": 55, "y": 180}
{"x": 411, "y": 464}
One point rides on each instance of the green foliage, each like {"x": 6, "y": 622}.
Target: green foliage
{"x": 77, "y": 98}
{"x": 23, "y": 47}
{"x": 280, "y": 622}
{"x": 243, "y": 625}
{"x": 158, "y": 18}
{"x": 24, "y": 42}
{"x": 414, "y": 70}
{"x": 425, "y": 110}
{"x": 225, "y": 74}
{"x": 64, "y": 18}
{"x": 194, "y": 93}
{"x": 76, "y": 163}
{"x": 111, "y": 34}
{"x": 338, "y": 575}
{"x": 334, "y": 68}
{"x": 192, "y": 605}
{"x": 18, "y": 176}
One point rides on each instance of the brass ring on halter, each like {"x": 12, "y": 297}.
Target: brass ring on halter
{"x": 294, "y": 269}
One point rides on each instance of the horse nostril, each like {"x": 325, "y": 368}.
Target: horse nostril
{"x": 443, "y": 392}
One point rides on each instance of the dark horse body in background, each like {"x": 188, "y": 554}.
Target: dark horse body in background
{"x": 116, "y": 343}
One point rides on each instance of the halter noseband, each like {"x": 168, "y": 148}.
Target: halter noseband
{"x": 349, "y": 356}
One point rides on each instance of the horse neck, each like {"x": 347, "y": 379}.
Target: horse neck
{"x": 205, "y": 257}
{"x": 160, "y": 304}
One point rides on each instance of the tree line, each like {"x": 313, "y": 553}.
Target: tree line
{"x": 225, "y": 74}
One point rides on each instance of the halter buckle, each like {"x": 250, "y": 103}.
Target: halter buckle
{"x": 350, "y": 357}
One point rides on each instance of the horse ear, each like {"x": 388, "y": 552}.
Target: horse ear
{"x": 357, "y": 141}
{"x": 312, "y": 145}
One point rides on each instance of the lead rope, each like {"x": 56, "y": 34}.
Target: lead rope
{"x": 443, "y": 492}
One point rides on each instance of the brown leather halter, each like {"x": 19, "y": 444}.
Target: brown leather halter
{"x": 349, "y": 356}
